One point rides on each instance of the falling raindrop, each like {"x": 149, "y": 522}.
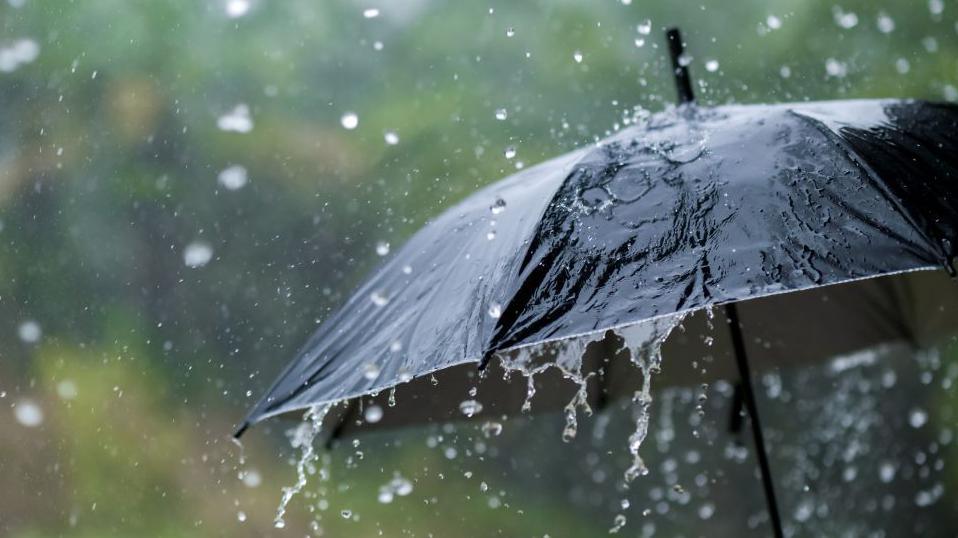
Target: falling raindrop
{"x": 21, "y": 51}
{"x": 501, "y": 114}
{"x": 382, "y": 248}
{"x": 67, "y": 389}
{"x": 491, "y": 429}
{"x": 510, "y": 31}
{"x": 241, "y": 516}
{"x": 237, "y": 8}
{"x": 711, "y": 65}
{"x": 28, "y": 413}
{"x": 902, "y": 66}
{"x": 577, "y": 56}
{"x": 495, "y": 311}
{"x": 639, "y": 42}
{"x": 197, "y": 254}
{"x": 498, "y": 206}
{"x": 617, "y": 524}
{"x": 936, "y": 7}
{"x": 378, "y": 298}
{"x": 371, "y": 13}
{"x": 773, "y": 22}
{"x": 835, "y": 68}
{"x": 490, "y": 235}
{"x": 391, "y": 138}
{"x": 237, "y": 120}
{"x": 844, "y": 19}
{"x": 510, "y": 152}
{"x": 644, "y": 27}
{"x": 371, "y": 370}
{"x": 886, "y": 24}
{"x": 470, "y": 408}
{"x": 29, "y": 332}
{"x": 349, "y": 120}
{"x": 917, "y": 417}
{"x": 373, "y": 414}
{"x": 233, "y": 177}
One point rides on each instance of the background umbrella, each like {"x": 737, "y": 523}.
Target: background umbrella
{"x": 687, "y": 209}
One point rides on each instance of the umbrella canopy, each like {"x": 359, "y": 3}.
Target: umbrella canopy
{"x": 684, "y": 209}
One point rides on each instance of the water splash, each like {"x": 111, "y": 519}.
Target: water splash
{"x": 302, "y": 439}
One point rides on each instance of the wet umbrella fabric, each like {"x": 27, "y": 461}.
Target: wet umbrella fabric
{"x": 685, "y": 209}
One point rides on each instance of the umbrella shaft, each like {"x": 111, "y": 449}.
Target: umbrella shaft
{"x": 748, "y": 393}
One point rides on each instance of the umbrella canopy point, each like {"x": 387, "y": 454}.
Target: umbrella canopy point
{"x": 914, "y": 309}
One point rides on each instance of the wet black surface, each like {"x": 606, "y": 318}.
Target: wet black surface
{"x": 690, "y": 208}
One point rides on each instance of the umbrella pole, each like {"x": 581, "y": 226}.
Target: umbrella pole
{"x": 748, "y": 395}
{"x": 683, "y": 82}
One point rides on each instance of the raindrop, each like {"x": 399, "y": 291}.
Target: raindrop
{"x": 241, "y": 516}
{"x": 382, "y": 248}
{"x": 844, "y": 19}
{"x": 346, "y": 514}
{"x": 706, "y": 511}
{"x": 237, "y": 120}
{"x": 617, "y": 523}
{"x": 385, "y": 495}
{"x": 510, "y": 31}
{"x": 197, "y": 254}
{"x": 639, "y": 42}
{"x": 498, "y": 206}
{"x": 902, "y": 66}
{"x": 395, "y": 346}
{"x": 21, "y": 51}
{"x": 378, "y": 298}
{"x": 391, "y": 138}
{"x": 917, "y": 418}
{"x": 936, "y": 7}
{"x": 252, "y": 479}
{"x": 373, "y": 414}
{"x": 349, "y": 120}
{"x": 886, "y": 471}
{"x": 685, "y": 60}
{"x": 371, "y": 13}
{"x": 644, "y": 27}
{"x": 407, "y": 269}
{"x": 773, "y": 22}
{"x": 490, "y": 235}
{"x": 835, "y": 68}
{"x": 28, "y": 413}
{"x": 711, "y": 65}
{"x": 495, "y": 311}
{"x": 401, "y": 486}
{"x": 233, "y": 177}
{"x": 930, "y": 44}
{"x": 577, "y": 56}
{"x": 510, "y": 152}
{"x": 886, "y": 24}
{"x": 67, "y": 389}
{"x": 470, "y": 408}
{"x": 785, "y": 71}
{"x": 29, "y": 332}
{"x": 371, "y": 370}
{"x": 501, "y": 114}
{"x": 234, "y": 10}
{"x": 491, "y": 429}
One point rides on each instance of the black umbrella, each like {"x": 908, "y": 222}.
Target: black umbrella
{"x": 681, "y": 211}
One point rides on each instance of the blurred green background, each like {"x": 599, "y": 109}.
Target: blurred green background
{"x": 147, "y": 297}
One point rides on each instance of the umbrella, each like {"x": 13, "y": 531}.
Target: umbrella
{"x": 681, "y": 211}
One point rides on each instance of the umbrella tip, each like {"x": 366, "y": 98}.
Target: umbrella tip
{"x": 680, "y": 69}
{"x": 241, "y": 429}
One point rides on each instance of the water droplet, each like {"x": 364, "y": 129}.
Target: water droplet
{"x": 385, "y": 495}
{"x": 706, "y": 511}
{"x": 835, "y": 68}
{"x": 844, "y": 19}
{"x": 28, "y": 413}
{"x": 407, "y": 269}
{"x": 29, "y": 332}
{"x": 711, "y": 65}
{"x": 395, "y": 346}
{"x": 577, "y": 56}
{"x": 241, "y": 516}
{"x": 67, "y": 389}
{"x": 237, "y": 8}
{"x": 886, "y": 471}
{"x": 936, "y": 7}
{"x": 644, "y": 27}
{"x": 21, "y": 51}
{"x": 391, "y": 138}
{"x": 237, "y": 120}
{"x": 510, "y": 152}
{"x": 378, "y": 298}
{"x": 917, "y": 417}
{"x": 685, "y": 59}
{"x": 197, "y": 254}
{"x": 349, "y": 120}
{"x": 251, "y": 478}
{"x": 785, "y": 71}
{"x": 902, "y": 66}
{"x": 773, "y": 22}
{"x": 618, "y": 522}
{"x": 233, "y": 177}
{"x": 491, "y": 429}
{"x": 490, "y": 235}
{"x": 382, "y": 248}
{"x": 373, "y": 414}
{"x": 885, "y": 24}
{"x": 501, "y": 114}
{"x": 371, "y": 370}
{"x": 346, "y": 514}
{"x": 498, "y": 206}
{"x": 639, "y": 42}
{"x": 510, "y": 31}
{"x": 495, "y": 311}
{"x": 470, "y": 408}
{"x": 371, "y": 13}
